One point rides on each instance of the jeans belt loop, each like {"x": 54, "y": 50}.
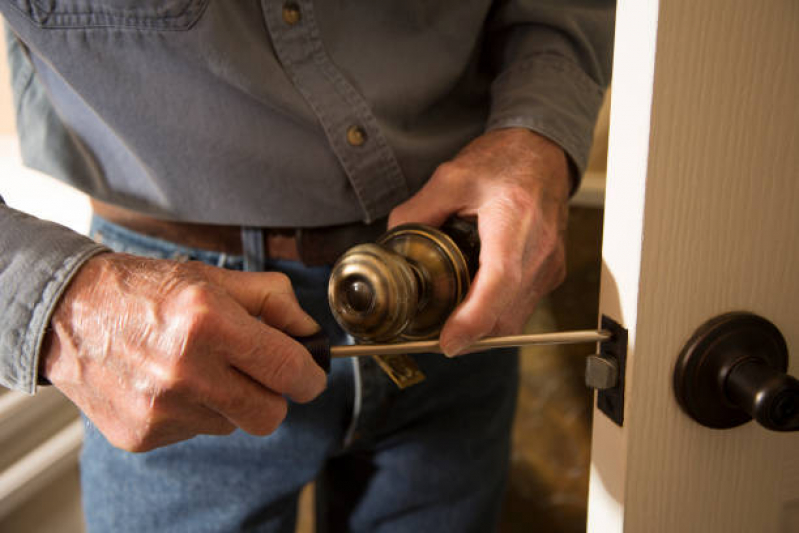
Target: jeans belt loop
{"x": 252, "y": 246}
{"x": 298, "y": 236}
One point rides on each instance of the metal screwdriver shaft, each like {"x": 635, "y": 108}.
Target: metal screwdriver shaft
{"x": 322, "y": 352}
{"x": 432, "y": 346}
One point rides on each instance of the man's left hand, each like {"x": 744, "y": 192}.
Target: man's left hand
{"x": 516, "y": 183}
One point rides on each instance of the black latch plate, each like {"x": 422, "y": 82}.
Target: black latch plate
{"x": 611, "y": 401}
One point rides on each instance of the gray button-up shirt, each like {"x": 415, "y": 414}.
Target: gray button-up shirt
{"x": 267, "y": 113}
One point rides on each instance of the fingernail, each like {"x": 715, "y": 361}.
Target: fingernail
{"x": 456, "y": 346}
{"x": 312, "y": 323}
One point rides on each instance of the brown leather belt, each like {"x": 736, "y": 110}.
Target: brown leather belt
{"x": 311, "y": 246}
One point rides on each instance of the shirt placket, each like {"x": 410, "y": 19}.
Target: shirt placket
{"x": 346, "y": 118}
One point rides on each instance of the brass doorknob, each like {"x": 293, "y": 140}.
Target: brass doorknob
{"x": 405, "y": 285}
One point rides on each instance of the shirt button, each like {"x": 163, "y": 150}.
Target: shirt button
{"x": 356, "y": 136}
{"x": 291, "y": 13}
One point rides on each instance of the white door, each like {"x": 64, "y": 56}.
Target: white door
{"x": 701, "y": 218}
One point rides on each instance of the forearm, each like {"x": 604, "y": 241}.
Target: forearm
{"x": 552, "y": 65}
{"x": 37, "y": 261}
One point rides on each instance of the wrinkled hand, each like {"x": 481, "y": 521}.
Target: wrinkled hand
{"x": 516, "y": 183}
{"x": 156, "y": 352}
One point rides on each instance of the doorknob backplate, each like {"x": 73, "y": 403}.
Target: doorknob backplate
{"x": 706, "y": 360}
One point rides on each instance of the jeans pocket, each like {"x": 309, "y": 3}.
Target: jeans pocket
{"x": 134, "y": 14}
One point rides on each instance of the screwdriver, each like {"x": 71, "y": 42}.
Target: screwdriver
{"x": 322, "y": 352}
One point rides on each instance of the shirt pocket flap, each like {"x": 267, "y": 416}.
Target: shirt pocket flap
{"x": 134, "y": 14}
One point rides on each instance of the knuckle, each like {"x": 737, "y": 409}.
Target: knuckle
{"x": 549, "y": 240}
{"x": 518, "y": 198}
{"x": 280, "y": 281}
{"x": 145, "y": 416}
{"x": 312, "y": 390}
{"x": 194, "y": 268}
{"x": 228, "y": 406}
{"x": 270, "y": 417}
{"x": 180, "y": 267}
{"x": 197, "y": 320}
{"x": 151, "y": 412}
{"x": 196, "y": 296}
{"x": 509, "y": 271}
{"x": 321, "y": 386}
{"x": 286, "y": 369}
{"x": 172, "y": 377}
{"x": 447, "y": 172}
{"x": 133, "y": 441}
{"x": 226, "y": 401}
{"x": 477, "y": 325}
{"x": 277, "y": 415}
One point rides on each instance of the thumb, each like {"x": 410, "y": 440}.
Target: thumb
{"x": 268, "y": 295}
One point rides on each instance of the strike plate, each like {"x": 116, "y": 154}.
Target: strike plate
{"x": 611, "y": 401}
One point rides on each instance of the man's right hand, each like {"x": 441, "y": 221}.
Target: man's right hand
{"x": 155, "y": 351}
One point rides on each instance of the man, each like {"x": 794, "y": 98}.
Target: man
{"x": 271, "y": 136}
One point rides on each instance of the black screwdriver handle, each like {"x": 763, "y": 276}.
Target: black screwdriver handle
{"x": 319, "y": 346}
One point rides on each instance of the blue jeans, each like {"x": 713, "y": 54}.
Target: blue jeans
{"x": 430, "y": 458}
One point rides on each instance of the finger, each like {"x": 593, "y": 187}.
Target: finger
{"x": 497, "y": 283}
{"x": 282, "y": 311}
{"x": 279, "y": 363}
{"x": 196, "y": 419}
{"x": 247, "y": 404}
{"x": 209, "y": 422}
{"x": 268, "y": 295}
{"x": 166, "y": 422}
{"x": 432, "y": 204}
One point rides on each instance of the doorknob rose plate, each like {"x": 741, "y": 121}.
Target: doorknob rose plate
{"x": 705, "y": 362}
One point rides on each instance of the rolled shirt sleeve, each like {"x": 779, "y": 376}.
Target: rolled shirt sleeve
{"x": 38, "y": 260}
{"x": 553, "y": 63}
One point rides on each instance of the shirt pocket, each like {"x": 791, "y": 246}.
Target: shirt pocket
{"x": 133, "y": 14}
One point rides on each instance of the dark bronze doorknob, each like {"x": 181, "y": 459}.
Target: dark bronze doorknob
{"x": 734, "y": 369}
